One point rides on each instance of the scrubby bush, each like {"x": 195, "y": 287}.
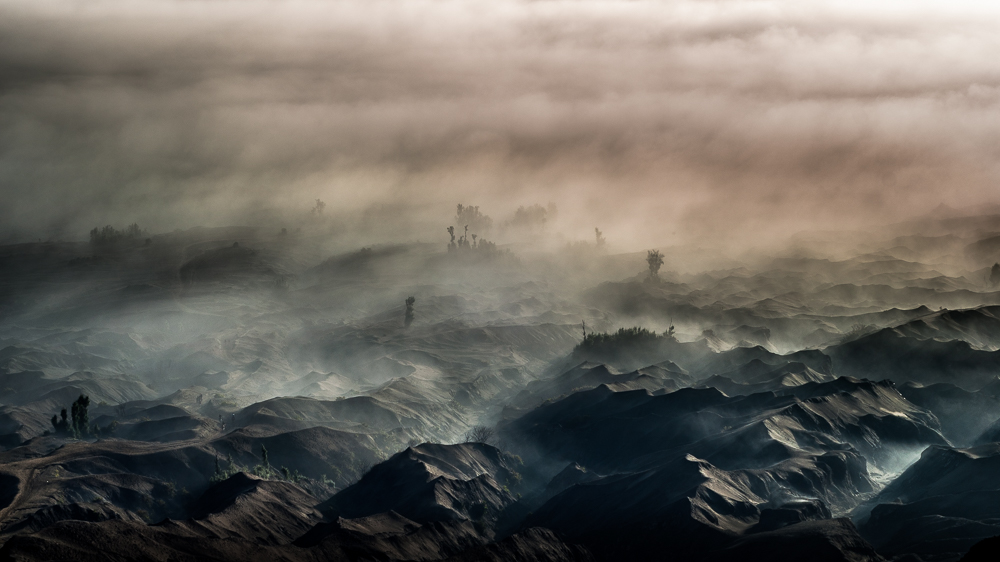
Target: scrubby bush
{"x": 262, "y": 469}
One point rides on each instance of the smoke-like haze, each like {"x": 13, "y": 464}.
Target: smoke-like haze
{"x": 658, "y": 120}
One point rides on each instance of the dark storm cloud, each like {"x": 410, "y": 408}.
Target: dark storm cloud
{"x": 652, "y": 117}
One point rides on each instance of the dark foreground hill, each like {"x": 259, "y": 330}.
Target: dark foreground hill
{"x": 939, "y": 507}
{"x": 450, "y": 494}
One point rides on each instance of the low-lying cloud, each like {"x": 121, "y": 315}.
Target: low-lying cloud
{"x": 659, "y": 121}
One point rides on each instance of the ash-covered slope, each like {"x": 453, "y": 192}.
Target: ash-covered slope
{"x": 942, "y": 505}
{"x": 746, "y": 428}
{"x": 430, "y": 482}
{"x": 746, "y": 364}
{"x": 665, "y": 376}
{"x": 835, "y": 540}
{"x": 979, "y": 327}
{"x": 245, "y": 518}
{"x": 757, "y": 376}
{"x": 701, "y": 469}
{"x": 433, "y": 501}
{"x": 607, "y": 430}
{"x": 965, "y": 417}
{"x": 110, "y": 491}
{"x": 892, "y": 355}
{"x": 691, "y": 509}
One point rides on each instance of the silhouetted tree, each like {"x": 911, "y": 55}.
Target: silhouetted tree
{"x": 80, "y": 419}
{"x": 61, "y": 425}
{"x": 600, "y": 237}
{"x": 263, "y": 456}
{"x": 408, "y": 318}
{"x": 654, "y": 259}
{"x": 451, "y": 245}
{"x": 480, "y": 434}
{"x": 318, "y": 208}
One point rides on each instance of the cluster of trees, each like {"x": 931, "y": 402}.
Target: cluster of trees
{"x": 623, "y": 337}
{"x": 77, "y": 423}
{"x": 470, "y": 216}
{"x": 262, "y": 469}
{"x": 627, "y": 345}
{"x": 480, "y": 246}
{"x": 461, "y": 241}
{"x": 532, "y": 217}
{"x": 110, "y": 236}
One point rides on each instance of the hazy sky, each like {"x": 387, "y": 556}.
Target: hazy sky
{"x": 646, "y": 117}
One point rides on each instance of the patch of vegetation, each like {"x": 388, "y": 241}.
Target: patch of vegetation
{"x": 472, "y": 217}
{"x": 471, "y": 245}
{"x": 635, "y": 346}
{"x": 624, "y": 336}
{"x": 531, "y": 218}
{"x": 76, "y": 425}
{"x": 109, "y": 236}
{"x": 263, "y": 469}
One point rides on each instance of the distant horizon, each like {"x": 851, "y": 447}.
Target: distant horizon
{"x": 658, "y": 121}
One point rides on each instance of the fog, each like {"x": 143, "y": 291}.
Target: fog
{"x": 661, "y": 122}
{"x": 596, "y": 280}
